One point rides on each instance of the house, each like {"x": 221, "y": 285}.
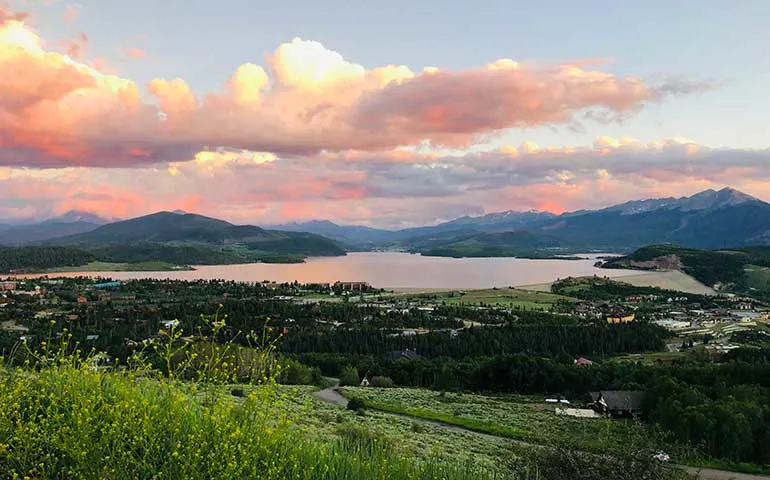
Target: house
{"x": 621, "y": 318}
{"x": 352, "y": 286}
{"x": 582, "y": 362}
{"x": 82, "y": 299}
{"x": 619, "y": 403}
{"x": 7, "y": 286}
{"x": 405, "y": 354}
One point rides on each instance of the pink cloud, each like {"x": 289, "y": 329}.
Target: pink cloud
{"x": 372, "y": 189}
{"x": 136, "y": 53}
{"x": 57, "y": 112}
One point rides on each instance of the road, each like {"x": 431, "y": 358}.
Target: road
{"x": 711, "y": 474}
{"x": 330, "y": 395}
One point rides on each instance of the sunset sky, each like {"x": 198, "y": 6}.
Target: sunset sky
{"x": 387, "y": 114}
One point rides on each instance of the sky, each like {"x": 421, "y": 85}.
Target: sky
{"x": 388, "y": 114}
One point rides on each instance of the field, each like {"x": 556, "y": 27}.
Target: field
{"x": 324, "y": 422}
{"x": 526, "y": 419}
{"x": 502, "y": 297}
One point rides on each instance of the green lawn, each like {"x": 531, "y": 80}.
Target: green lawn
{"x": 503, "y": 297}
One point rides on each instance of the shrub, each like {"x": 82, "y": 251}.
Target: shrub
{"x": 381, "y": 382}
{"x": 295, "y": 373}
{"x": 356, "y": 404}
{"x": 349, "y": 377}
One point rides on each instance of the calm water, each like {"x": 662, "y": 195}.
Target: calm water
{"x": 391, "y": 270}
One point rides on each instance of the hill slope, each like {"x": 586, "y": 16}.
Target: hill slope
{"x": 40, "y": 232}
{"x": 191, "y": 239}
{"x": 737, "y": 270}
{"x": 484, "y": 244}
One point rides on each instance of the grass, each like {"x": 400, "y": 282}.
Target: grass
{"x": 149, "y": 266}
{"x": 758, "y": 278}
{"x": 504, "y": 297}
{"x": 507, "y": 417}
{"x": 72, "y": 422}
{"x": 323, "y": 422}
{"x": 472, "y": 424}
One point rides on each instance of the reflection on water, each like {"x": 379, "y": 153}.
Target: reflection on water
{"x": 391, "y": 270}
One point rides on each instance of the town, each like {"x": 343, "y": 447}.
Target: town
{"x": 592, "y": 350}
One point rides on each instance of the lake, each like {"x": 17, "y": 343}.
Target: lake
{"x": 390, "y": 270}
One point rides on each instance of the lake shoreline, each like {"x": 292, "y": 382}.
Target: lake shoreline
{"x": 384, "y": 270}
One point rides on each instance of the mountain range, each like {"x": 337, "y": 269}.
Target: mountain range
{"x": 30, "y": 231}
{"x": 710, "y": 220}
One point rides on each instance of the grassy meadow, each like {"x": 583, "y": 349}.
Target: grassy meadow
{"x": 502, "y": 297}
{"x": 526, "y": 419}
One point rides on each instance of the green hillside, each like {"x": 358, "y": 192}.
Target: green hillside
{"x": 188, "y": 239}
{"x": 42, "y": 258}
{"x": 484, "y": 244}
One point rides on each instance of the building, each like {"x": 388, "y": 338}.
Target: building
{"x": 619, "y": 403}
{"x": 405, "y": 354}
{"x": 7, "y": 286}
{"x": 106, "y": 285}
{"x": 352, "y": 286}
{"x": 621, "y": 318}
{"x": 582, "y": 362}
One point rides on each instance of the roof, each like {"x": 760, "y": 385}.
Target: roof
{"x": 408, "y": 354}
{"x": 621, "y": 399}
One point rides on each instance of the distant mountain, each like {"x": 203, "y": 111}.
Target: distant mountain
{"x": 500, "y": 221}
{"x": 78, "y": 216}
{"x": 177, "y": 229}
{"x": 41, "y": 232}
{"x": 354, "y": 237}
{"x": 710, "y": 219}
{"x": 705, "y": 200}
{"x": 70, "y": 223}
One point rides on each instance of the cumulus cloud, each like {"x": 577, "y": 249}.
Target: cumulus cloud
{"x": 56, "y": 111}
